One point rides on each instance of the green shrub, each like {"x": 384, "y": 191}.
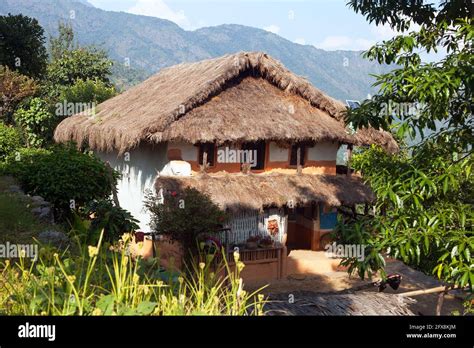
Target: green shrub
{"x": 88, "y": 91}
{"x": 114, "y": 220}
{"x": 9, "y": 141}
{"x": 62, "y": 175}
{"x": 37, "y": 122}
{"x": 185, "y": 216}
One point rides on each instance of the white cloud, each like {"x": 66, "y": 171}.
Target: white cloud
{"x": 158, "y": 8}
{"x": 300, "y": 41}
{"x": 375, "y": 34}
{"x": 275, "y": 29}
{"x": 333, "y": 43}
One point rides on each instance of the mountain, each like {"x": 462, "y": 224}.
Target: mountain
{"x": 150, "y": 43}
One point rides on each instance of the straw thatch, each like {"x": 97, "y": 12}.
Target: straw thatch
{"x": 256, "y": 191}
{"x": 367, "y": 136}
{"x": 266, "y": 113}
{"x": 185, "y": 102}
{"x": 359, "y": 303}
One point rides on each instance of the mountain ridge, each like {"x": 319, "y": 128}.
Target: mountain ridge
{"x": 150, "y": 44}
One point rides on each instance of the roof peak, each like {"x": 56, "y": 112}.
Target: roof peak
{"x": 146, "y": 111}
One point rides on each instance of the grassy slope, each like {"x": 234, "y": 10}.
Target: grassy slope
{"x": 17, "y": 223}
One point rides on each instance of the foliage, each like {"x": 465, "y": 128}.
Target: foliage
{"x": 424, "y": 213}
{"x": 114, "y": 220}
{"x": 9, "y": 140}
{"x": 77, "y": 75}
{"x": 63, "y": 43}
{"x": 37, "y": 122}
{"x": 362, "y": 231}
{"x": 183, "y": 217}
{"x": 439, "y": 93}
{"x": 14, "y": 87}
{"x": 62, "y": 175}
{"x": 88, "y": 91}
{"x": 100, "y": 281}
{"x": 22, "y": 47}
{"x": 79, "y": 64}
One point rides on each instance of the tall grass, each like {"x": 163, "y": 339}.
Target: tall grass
{"x": 97, "y": 280}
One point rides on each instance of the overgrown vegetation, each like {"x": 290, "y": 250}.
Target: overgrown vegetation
{"x": 99, "y": 281}
{"x": 424, "y": 213}
{"x": 105, "y": 215}
{"x": 37, "y": 122}
{"x": 37, "y": 93}
{"x": 9, "y": 141}
{"x": 64, "y": 176}
{"x": 184, "y": 217}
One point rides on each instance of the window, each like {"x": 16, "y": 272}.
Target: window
{"x": 257, "y": 149}
{"x": 294, "y": 154}
{"x": 209, "y": 148}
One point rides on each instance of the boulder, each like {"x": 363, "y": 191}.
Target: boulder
{"x": 37, "y": 199}
{"x": 15, "y": 189}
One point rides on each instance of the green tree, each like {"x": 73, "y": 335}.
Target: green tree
{"x": 22, "y": 45}
{"x": 88, "y": 91}
{"x": 14, "y": 87}
{"x": 80, "y": 64}
{"x": 63, "y": 43}
{"x": 77, "y": 74}
{"x": 424, "y": 213}
{"x": 37, "y": 122}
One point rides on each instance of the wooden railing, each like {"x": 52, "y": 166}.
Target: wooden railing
{"x": 248, "y": 255}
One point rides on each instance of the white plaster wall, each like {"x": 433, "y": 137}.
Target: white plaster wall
{"x": 325, "y": 151}
{"x": 278, "y": 154}
{"x": 138, "y": 176}
{"x": 189, "y": 152}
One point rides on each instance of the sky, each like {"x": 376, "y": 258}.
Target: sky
{"x": 326, "y": 24}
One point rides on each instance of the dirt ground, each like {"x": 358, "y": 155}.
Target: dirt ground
{"x": 326, "y": 276}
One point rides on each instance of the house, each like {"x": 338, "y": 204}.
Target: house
{"x": 268, "y": 139}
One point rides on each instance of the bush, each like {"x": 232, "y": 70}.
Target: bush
{"x": 185, "y": 216}
{"x": 9, "y": 141}
{"x": 62, "y": 175}
{"x": 88, "y": 91}
{"x": 37, "y": 122}
{"x": 114, "y": 220}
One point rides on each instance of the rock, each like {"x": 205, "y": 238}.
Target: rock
{"x": 15, "y": 189}
{"x": 55, "y": 238}
{"x": 38, "y": 199}
{"x": 37, "y": 211}
{"x": 43, "y": 213}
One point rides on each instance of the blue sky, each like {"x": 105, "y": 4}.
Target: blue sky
{"x": 327, "y": 24}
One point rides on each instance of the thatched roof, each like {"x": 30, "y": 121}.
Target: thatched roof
{"x": 244, "y": 96}
{"x": 275, "y": 115}
{"x": 367, "y": 136}
{"x": 255, "y": 191}
{"x": 358, "y": 303}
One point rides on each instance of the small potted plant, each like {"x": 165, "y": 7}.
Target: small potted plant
{"x": 266, "y": 242}
{"x": 252, "y": 242}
